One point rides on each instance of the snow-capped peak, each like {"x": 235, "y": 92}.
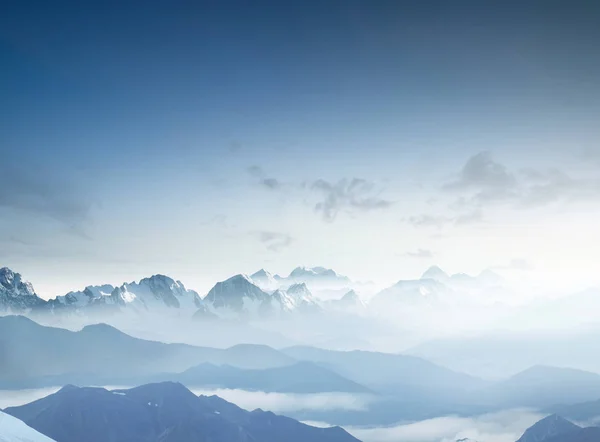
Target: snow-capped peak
{"x": 238, "y": 294}
{"x": 13, "y": 282}
{"x": 262, "y": 273}
{"x": 264, "y": 279}
{"x": 435, "y": 273}
{"x": 16, "y": 295}
{"x": 156, "y": 291}
{"x": 312, "y": 271}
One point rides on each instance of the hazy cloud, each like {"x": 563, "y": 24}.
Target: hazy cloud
{"x": 420, "y": 253}
{"x": 259, "y": 174}
{"x": 429, "y": 221}
{"x": 489, "y": 179}
{"x": 274, "y": 241}
{"x": 516, "y": 264}
{"x": 504, "y": 426}
{"x": 286, "y": 402}
{"x": 37, "y": 191}
{"x": 438, "y": 221}
{"x": 483, "y": 181}
{"x": 350, "y": 195}
{"x": 472, "y": 217}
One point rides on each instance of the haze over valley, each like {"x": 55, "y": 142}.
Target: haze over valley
{"x": 300, "y": 221}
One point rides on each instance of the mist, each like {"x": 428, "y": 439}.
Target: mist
{"x": 505, "y": 426}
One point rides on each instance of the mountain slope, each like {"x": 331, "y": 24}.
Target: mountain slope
{"x": 551, "y": 428}
{"x": 158, "y": 291}
{"x": 390, "y": 373}
{"x": 32, "y": 355}
{"x": 303, "y": 377}
{"x": 237, "y": 295}
{"x": 16, "y": 295}
{"x": 165, "y": 412}
{"x": 13, "y": 430}
{"x": 541, "y": 386}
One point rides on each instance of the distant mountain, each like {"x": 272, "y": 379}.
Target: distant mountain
{"x": 302, "y": 377}
{"x": 85, "y": 297}
{"x": 351, "y": 301}
{"x": 435, "y": 273}
{"x": 238, "y": 295}
{"x": 16, "y": 295}
{"x": 411, "y": 292}
{"x": 265, "y": 280}
{"x": 303, "y": 299}
{"x": 582, "y": 412}
{"x": 552, "y": 428}
{"x": 398, "y": 375}
{"x": 156, "y": 292}
{"x": 13, "y": 430}
{"x": 500, "y": 355}
{"x": 32, "y": 355}
{"x": 541, "y": 386}
{"x": 165, "y": 412}
{"x": 318, "y": 277}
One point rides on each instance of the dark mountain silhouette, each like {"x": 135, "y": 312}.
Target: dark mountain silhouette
{"x": 551, "y": 428}
{"x": 164, "y": 412}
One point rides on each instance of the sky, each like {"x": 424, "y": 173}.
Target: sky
{"x": 204, "y": 139}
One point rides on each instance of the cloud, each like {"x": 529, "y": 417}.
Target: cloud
{"x": 489, "y": 179}
{"x": 429, "y": 221}
{"x": 287, "y": 402}
{"x": 516, "y": 264}
{"x": 35, "y": 190}
{"x": 504, "y": 426}
{"x": 483, "y": 181}
{"x": 274, "y": 241}
{"x": 350, "y": 195}
{"x": 268, "y": 182}
{"x": 438, "y": 221}
{"x": 420, "y": 253}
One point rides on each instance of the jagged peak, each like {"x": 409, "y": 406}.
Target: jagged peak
{"x": 351, "y": 295}
{"x": 298, "y": 288}
{"x": 13, "y": 282}
{"x": 262, "y": 273}
{"x": 240, "y": 277}
{"x": 435, "y": 272}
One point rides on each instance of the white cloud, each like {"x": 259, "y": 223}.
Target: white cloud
{"x": 285, "y": 402}
{"x": 504, "y": 426}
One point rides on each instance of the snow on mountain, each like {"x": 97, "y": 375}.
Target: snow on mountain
{"x": 411, "y": 292}
{"x": 303, "y": 298}
{"x": 13, "y": 430}
{"x": 156, "y": 292}
{"x": 320, "y": 277}
{"x": 238, "y": 295}
{"x": 85, "y": 297}
{"x": 265, "y": 280}
{"x": 350, "y": 301}
{"x": 16, "y": 295}
{"x": 435, "y": 273}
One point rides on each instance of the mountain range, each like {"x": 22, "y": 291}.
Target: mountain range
{"x": 261, "y": 295}
{"x": 162, "y": 412}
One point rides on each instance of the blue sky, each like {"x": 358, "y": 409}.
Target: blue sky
{"x": 376, "y": 138}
